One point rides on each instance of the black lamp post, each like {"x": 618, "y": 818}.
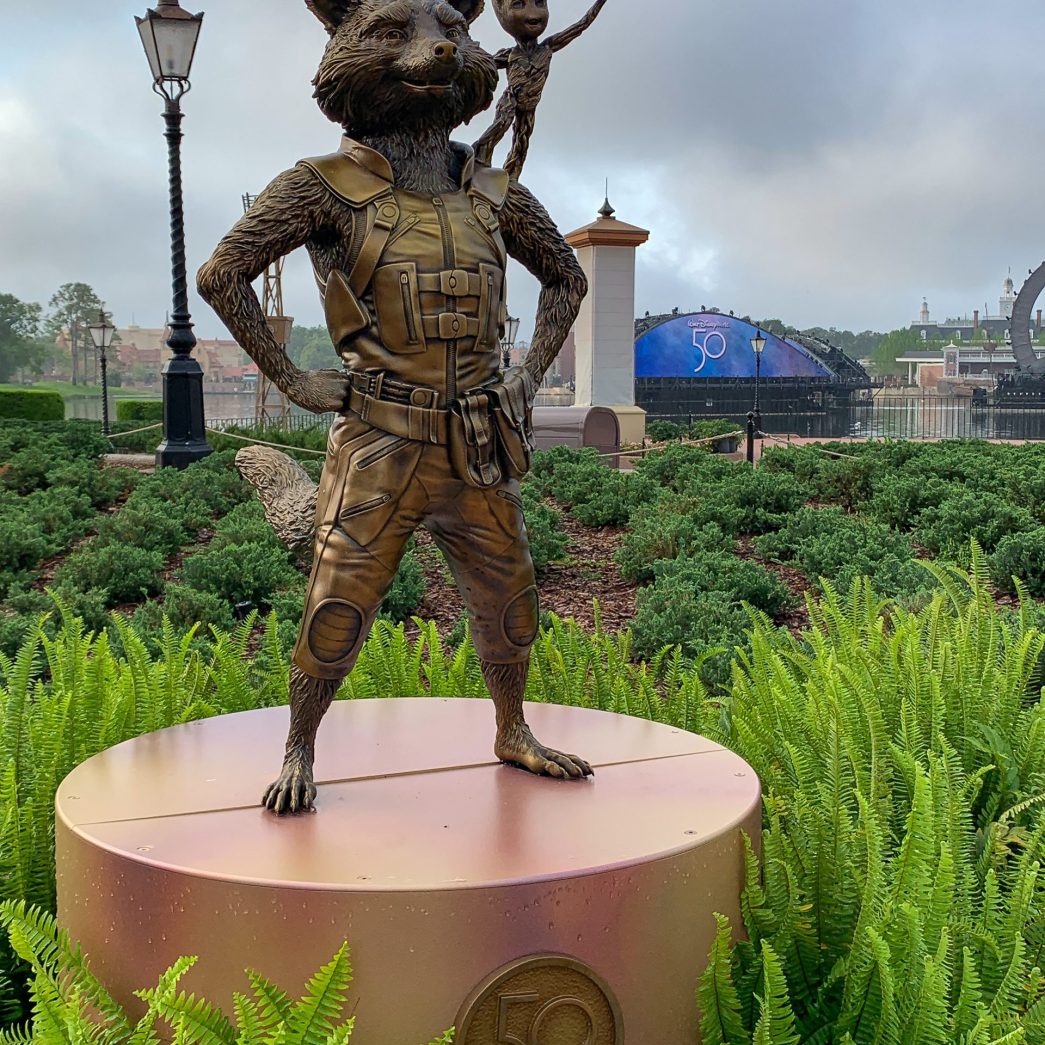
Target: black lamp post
{"x": 102, "y": 332}
{"x": 511, "y": 332}
{"x": 754, "y": 417}
{"x": 169, "y": 35}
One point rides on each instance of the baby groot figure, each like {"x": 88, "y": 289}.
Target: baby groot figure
{"x": 409, "y": 238}
{"x": 528, "y": 66}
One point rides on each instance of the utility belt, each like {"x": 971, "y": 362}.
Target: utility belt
{"x": 488, "y": 431}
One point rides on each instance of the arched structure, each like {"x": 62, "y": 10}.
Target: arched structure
{"x": 702, "y": 364}
{"x": 1027, "y": 361}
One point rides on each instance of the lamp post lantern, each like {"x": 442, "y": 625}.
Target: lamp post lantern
{"x": 754, "y": 417}
{"x": 511, "y": 332}
{"x": 102, "y": 332}
{"x": 169, "y": 35}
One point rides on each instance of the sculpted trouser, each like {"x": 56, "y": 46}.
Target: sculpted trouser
{"x": 376, "y": 490}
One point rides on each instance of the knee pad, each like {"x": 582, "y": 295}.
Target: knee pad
{"x": 334, "y": 631}
{"x": 522, "y": 618}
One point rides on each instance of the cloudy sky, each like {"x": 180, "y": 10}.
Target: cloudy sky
{"x": 826, "y": 163}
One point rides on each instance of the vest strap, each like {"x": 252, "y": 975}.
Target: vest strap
{"x": 386, "y": 217}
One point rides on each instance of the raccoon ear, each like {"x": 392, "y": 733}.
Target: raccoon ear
{"x": 471, "y": 9}
{"x": 332, "y": 12}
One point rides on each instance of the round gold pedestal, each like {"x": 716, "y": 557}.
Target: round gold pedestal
{"x": 521, "y": 910}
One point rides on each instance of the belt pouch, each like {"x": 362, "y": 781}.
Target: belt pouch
{"x": 514, "y": 426}
{"x": 472, "y": 443}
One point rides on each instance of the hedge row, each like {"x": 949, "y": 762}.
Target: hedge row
{"x": 30, "y": 404}
{"x": 139, "y": 410}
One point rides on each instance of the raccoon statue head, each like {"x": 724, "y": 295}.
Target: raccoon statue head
{"x": 401, "y": 65}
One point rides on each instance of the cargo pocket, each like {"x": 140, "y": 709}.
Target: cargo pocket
{"x": 491, "y": 284}
{"x": 378, "y": 475}
{"x": 398, "y": 307}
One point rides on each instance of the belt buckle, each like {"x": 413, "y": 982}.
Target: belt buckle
{"x": 454, "y": 283}
{"x": 452, "y": 325}
{"x": 423, "y": 397}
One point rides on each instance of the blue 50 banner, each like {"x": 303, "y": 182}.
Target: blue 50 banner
{"x": 708, "y": 344}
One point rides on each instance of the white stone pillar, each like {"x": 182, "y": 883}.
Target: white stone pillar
{"x": 606, "y": 325}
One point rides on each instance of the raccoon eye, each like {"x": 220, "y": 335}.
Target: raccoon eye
{"x": 393, "y": 36}
{"x": 453, "y": 34}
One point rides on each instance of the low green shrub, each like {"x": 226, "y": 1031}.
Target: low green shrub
{"x": 704, "y": 625}
{"x": 825, "y": 543}
{"x": 141, "y": 410}
{"x": 127, "y": 572}
{"x": 21, "y": 546}
{"x": 696, "y": 602}
{"x": 945, "y": 529}
{"x": 548, "y": 540}
{"x": 666, "y": 530}
{"x": 186, "y": 608}
{"x": 664, "y": 431}
{"x": 31, "y": 404}
{"x": 104, "y": 486}
{"x": 685, "y": 469}
{"x": 1021, "y": 556}
{"x": 240, "y": 573}
{"x": 899, "y": 500}
{"x": 596, "y": 494}
{"x": 762, "y": 500}
{"x": 847, "y": 481}
{"x": 144, "y": 522}
{"x": 407, "y": 591}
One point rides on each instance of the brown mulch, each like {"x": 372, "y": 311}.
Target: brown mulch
{"x": 567, "y": 588}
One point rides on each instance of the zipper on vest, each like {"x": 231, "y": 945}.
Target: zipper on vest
{"x": 408, "y": 308}
{"x": 450, "y": 262}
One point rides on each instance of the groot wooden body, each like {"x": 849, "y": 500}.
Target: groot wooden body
{"x": 409, "y": 240}
{"x": 528, "y": 65}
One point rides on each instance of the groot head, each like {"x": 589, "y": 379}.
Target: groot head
{"x": 401, "y": 65}
{"x": 523, "y": 20}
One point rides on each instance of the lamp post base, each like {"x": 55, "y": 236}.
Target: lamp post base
{"x": 184, "y": 438}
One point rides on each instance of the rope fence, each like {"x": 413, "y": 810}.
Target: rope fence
{"x": 265, "y": 442}
{"x": 807, "y": 446}
{"x": 113, "y": 436}
{"x": 680, "y": 442}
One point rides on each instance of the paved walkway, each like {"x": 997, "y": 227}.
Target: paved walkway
{"x": 139, "y": 462}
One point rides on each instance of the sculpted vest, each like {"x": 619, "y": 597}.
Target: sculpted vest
{"x": 423, "y": 300}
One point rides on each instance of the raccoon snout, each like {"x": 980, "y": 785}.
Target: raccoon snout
{"x": 445, "y": 51}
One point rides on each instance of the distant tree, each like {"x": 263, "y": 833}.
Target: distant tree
{"x": 74, "y": 307}
{"x": 892, "y": 346}
{"x": 21, "y": 346}
{"x": 857, "y": 346}
{"x": 310, "y": 348}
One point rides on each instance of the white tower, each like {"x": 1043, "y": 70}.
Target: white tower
{"x": 1008, "y": 297}
{"x": 606, "y": 324}
{"x": 923, "y": 316}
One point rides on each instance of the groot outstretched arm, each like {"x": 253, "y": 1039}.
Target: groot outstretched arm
{"x": 286, "y": 215}
{"x": 567, "y": 36}
{"x": 533, "y": 240}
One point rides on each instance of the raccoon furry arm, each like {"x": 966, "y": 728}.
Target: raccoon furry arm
{"x": 287, "y": 214}
{"x": 533, "y": 240}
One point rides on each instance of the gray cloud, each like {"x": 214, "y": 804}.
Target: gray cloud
{"x": 826, "y": 163}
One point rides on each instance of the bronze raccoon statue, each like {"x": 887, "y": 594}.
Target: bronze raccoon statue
{"x": 409, "y": 239}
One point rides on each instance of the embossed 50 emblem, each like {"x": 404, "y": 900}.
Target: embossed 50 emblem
{"x": 710, "y": 344}
{"x": 545, "y": 1000}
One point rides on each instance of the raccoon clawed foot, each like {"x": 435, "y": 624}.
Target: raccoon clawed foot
{"x": 522, "y": 749}
{"x": 294, "y": 791}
